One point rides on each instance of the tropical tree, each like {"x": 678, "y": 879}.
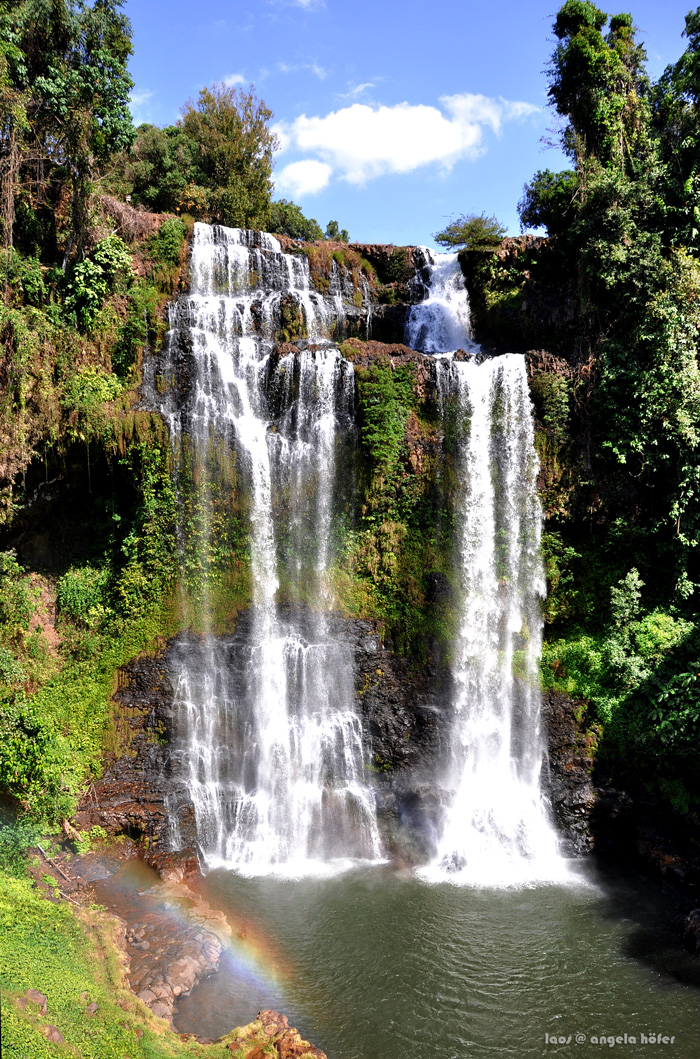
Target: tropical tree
{"x": 65, "y": 85}
{"x": 233, "y": 149}
{"x": 472, "y": 231}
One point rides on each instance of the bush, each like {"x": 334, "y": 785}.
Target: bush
{"x": 17, "y": 597}
{"x": 166, "y": 245}
{"x": 473, "y": 231}
{"x": 82, "y": 594}
{"x": 11, "y": 671}
{"x": 112, "y": 256}
{"x": 92, "y": 280}
{"x": 86, "y": 290}
{"x": 25, "y": 278}
{"x": 286, "y": 218}
{"x": 15, "y": 840}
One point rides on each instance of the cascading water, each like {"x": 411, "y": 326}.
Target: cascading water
{"x": 440, "y": 322}
{"x": 272, "y": 746}
{"x": 495, "y": 828}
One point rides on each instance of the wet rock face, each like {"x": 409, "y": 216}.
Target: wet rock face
{"x": 567, "y": 782}
{"x": 405, "y": 716}
{"x": 143, "y": 791}
{"x": 138, "y": 791}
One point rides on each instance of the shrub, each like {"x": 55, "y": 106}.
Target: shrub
{"x": 17, "y": 597}
{"x": 112, "y": 256}
{"x": 82, "y": 593}
{"x": 15, "y": 840}
{"x": 86, "y": 290}
{"x": 11, "y": 671}
{"x": 166, "y": 245}
{"x": 473, "y": 231}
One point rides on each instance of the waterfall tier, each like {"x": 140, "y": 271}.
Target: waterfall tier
{"x": 440, "y": 322}
{"x": 496, "y": 829}
{"x": 271, "y": 741}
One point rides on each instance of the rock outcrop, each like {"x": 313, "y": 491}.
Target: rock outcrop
{"x": 174, "y": 946}
{"x": 568, "y": 784}
{"x": 138, "y": 791}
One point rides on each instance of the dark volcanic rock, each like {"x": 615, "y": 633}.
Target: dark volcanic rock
{"x": 568, "y": 781}
{"x": 138, "y": 793}
{"x": 143, "y": 791}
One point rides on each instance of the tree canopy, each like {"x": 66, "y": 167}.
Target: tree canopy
{"x": 471, "y": 231}
{"x": 65, "y": 88}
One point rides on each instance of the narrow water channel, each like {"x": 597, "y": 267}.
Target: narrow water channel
{"x": 376, "y": 964}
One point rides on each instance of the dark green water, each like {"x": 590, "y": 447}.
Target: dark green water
{"x": 378, "y": 965}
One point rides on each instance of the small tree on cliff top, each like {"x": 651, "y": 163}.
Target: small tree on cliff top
{"x": 474, "y": 231}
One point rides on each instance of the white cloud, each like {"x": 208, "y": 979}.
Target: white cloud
{"x": 307, "y": 177}
{"x": 356, "y": 91}
{"x": 138, "y": 105}
{"x": 231, "y": 80}
{"x": 361, "y": 142}
{"x": 315, "y": 68}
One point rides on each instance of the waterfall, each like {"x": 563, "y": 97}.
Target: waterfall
{"x": 271, "y": 744}
{"x": 440, "y": 322}
{"x": 495, "y": 827}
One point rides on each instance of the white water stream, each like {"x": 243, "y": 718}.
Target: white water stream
{"x": 273, "y": 746}
{"x": 495, "y": 830}
{"x": 273, "y": 751}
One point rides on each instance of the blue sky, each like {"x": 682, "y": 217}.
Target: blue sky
{"x": 393, "y": 116}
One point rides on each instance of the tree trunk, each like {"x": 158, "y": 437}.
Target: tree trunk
{"x": 9, "y": 168}
{"x": 8, "y": 180}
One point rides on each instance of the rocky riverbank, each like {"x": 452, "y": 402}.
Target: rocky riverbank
{"x": 169, "y": 938}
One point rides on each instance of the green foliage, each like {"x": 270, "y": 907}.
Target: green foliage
{"x": 551, "y": 394}
{"x": 143, "y": 324}
{"x": 86, "y": 290}
{"x": 286, "y": 218}
{"x": 151, "y": 543}
{"x": 113, "y": 257}
{"x": 87, "y": 393}
{"x": 233, "y": 148}
{"x": 166, "y": 245}
{"x": 549, "y": 200}
{"x": 386, "y": 398}
{"x": 11, "y": 672}
{"x": 82, "y": 594}
{"x": 23, "y": 278}
{"x": 599, "y": 84}
{"x": 156, "y": 170}
{"x": 90, "y": 281}
{"x": 559, "y": 559}
{"x": 64, "y": 953}
{"x": 336, "y": 234}
{"x": 17, "y": 598}
{"x": 15, "y": 840}
{"x": 69, "y": 89}
{"x": 473, "y": 231}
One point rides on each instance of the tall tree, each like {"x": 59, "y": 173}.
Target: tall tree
{"x": 598, "y": 83}
{"x": 234, "y": 149}
{"x": 63, "y": 70}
